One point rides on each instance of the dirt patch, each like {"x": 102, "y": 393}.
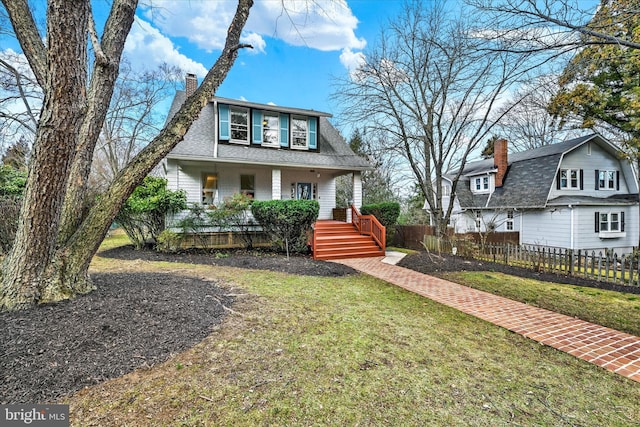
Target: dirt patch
{"x": 437, "y": 265}
{"x": 259, "y": 260}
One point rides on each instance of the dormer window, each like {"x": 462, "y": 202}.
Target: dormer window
{"x": 270, "y": 129}
{"x": 239, "y": 125}
{"x": 481, "y": 184}
{"x": 299, "y": 137}
{"x": 570, "y": 179}
{"x": 607, "y": 180}
{"x": 262, "y": 128}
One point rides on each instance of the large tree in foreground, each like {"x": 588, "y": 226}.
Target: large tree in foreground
{"x": 55, "y": 240}
{"x": 433, "y": 89}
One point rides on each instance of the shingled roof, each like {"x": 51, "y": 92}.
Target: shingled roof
{"x": 530, "y": 177}
{"x": 198, "y": 144}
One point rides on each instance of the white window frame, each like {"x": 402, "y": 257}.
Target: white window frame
{"x": 268, "y": 129}
{"x": 607, "y": 222}
{"x": 607, "y": 180}
{"x": 567, "y": 178}
{"x": 509, "y": 223}
{"x": 297, "y": 134}
{"x": 238, "y": 127}
{"x": 478, "y": 221}
{"x": 481, "y": 184}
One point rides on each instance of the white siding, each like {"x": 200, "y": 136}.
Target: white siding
{"x": 546, "y": 228}
{"x": 553, "y": 228}
{"x": 597, "y": 160}
{"x": 587, "y": 238}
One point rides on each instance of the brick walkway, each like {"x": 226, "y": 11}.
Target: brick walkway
{"x": 613, "y": 350}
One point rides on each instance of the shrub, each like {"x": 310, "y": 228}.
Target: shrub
{"x": 387, "y": 213}
{"x": 234, "y": 215}
{"x": 194, "y": 223}
{"x": 287, "y": 221}
{"x": 143, "y": 214}
{"x": 168, "y": 241}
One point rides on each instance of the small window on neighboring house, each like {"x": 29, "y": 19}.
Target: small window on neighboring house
{"x": 570, "y": 179}
{"x": 510, "y": 220}
{"x": 478, "y": 220}
{"x": 609, "y": 222}
{"x": 248, "y": 185}
{"x": 270, "y": 129}
{"x": 239, "y": 125}
{"x": 481, "y": 184}
{"x": 446, "y": 191}
{"x": 607, "y": 180}
{"x": 299, "y": 136}
{"x": 209, "y": 189}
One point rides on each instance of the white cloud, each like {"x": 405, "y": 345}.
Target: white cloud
{"x": 352, "y": 60}
{"x": 147, "y": 47}
{"x": 326, "y": 25}
{"x": 256, "y": 41}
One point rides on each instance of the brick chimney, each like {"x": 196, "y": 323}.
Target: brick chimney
{"x": 191, "y": 84}
{"x": 500, "y": 160}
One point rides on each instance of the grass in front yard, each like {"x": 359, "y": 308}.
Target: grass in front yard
{"x": 354, "y": 351}
{"x": 615, "y": 310}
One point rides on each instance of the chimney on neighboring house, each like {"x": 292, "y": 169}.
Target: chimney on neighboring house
{"x": 500, "y": 160}
{"x": 191, "y": 84}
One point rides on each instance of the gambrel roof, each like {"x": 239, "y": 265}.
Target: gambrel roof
{"x": 529, "y": 179}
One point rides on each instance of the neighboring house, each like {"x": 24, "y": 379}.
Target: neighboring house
{"x": 265, "y": 151}
{"x": 578, "y": 194}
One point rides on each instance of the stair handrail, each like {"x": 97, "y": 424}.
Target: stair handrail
{"x": 369, "y": 225}
{"x": 313, "y": 240}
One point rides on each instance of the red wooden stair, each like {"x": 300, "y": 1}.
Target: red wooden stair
{"x": 336, "y": 239}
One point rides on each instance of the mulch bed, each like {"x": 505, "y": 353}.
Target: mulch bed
{"x": 132, "y": 320}
{"x": 256, "y": 259}
{"x": 437, "y": 265}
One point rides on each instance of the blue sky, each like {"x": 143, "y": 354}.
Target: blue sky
{"x": 300, "y": 46}
{"x": 290, "y": 65}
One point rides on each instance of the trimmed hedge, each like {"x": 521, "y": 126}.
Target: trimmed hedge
{"x": 387, "y": 213}
{"x": 287, "y": 221}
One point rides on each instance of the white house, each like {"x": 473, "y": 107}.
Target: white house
{"x": 265, "y": 151}
{"x": 578, "y": 194}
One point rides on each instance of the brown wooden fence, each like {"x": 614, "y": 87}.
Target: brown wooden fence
{"x": 599, "y": 266}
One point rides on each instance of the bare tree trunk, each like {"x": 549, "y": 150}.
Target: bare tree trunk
{"x": 100, "y": 92}
{"x": 52, "y": 273}
{"x": 58, "y": 129}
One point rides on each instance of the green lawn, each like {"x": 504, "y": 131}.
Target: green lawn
{"x": 354, "y": 351}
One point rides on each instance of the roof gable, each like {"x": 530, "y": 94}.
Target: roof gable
{"x": 198, "y": 144}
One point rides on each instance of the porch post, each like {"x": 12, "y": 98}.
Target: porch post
{"x": 276, "y": 184}
{"x": 356, "y": 185}
{"x": 357, "y": 189}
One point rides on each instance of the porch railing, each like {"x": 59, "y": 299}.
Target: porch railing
{"x": 369, "y": 225}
